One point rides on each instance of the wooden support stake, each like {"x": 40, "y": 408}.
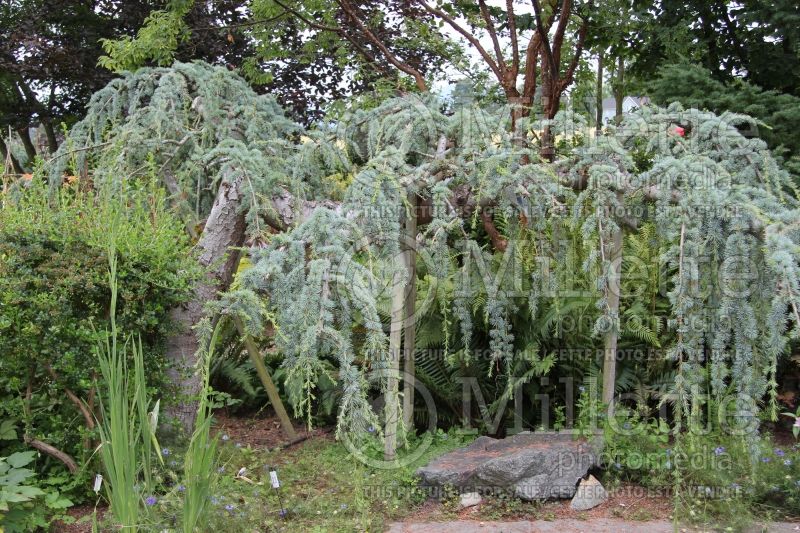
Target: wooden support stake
{"x": 610, "y": 352}
{"x": 266, "y": 380}
{"x": 410, "y": 330}
{"x": 392, "y": 408}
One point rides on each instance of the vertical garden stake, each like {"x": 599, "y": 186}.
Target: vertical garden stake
{"x": 266, "y": 380}
{"x": 273, "y": 479}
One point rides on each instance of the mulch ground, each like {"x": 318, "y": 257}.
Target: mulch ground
{"x": 258, "y": 431}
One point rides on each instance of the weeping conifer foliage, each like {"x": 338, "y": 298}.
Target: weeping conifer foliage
{"x": 193, "y": 125}
{"x": 725, "y": 212}
{"x": 495, "y": 224}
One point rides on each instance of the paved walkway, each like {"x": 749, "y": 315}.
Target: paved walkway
{"x": 597, "y": 525}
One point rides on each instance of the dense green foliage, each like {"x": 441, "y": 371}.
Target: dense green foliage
{"x": 710, "y": 482}
{"x": 54, "y": 300}
{"x": 23, "y": 505}
{"x": 644, "y": 172}
{"x": 49, "y": 52}
{"x": 191, "y": 126}
{"x": 778, "y": 113}
{"x": 752, "y": 39}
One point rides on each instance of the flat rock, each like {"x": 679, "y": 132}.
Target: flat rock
{"x": 530, "y": 466}
{"x": 470, "y": 499}
{"x": 589, "y": 495}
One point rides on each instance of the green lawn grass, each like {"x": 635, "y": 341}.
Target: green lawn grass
{"x": 323, "y": 488}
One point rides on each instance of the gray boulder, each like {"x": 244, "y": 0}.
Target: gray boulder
{"x": 469, "y": 499}
{"x": 531, "y": 466}
{"x": 589, "y": 495}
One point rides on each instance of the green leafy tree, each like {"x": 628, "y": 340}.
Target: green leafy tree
{"x": 757, "y": 41}
{"x": 694, "y": 86}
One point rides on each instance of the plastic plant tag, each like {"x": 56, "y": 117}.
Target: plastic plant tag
{"x": 98, "y": 481}
{"x": 273, "y": 476}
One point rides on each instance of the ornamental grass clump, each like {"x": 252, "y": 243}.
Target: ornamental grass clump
{"x": 200, "y": 456}
{"x": 127, "y": 428}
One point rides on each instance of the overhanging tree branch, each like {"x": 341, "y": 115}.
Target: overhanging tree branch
{"x": 467, "y": 35}
{"x": 404, "y": 67}
{"x": 501, "y": 62}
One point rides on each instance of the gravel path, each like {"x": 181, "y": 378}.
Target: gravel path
{"x": 597, "y": 525}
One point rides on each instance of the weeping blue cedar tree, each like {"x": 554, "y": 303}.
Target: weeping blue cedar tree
{"x": 724, "y": 206}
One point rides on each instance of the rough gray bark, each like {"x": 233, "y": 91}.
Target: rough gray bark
{"x": 610, "y": 351}
{"x": 224, "y": 231}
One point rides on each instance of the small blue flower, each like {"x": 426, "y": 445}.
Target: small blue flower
{"x": 165, "y": 452}
{"x": 283, "y": 513}
{"x": 371, "y": 429}
{"x": 788, "y": 462}
{"x": 214, "y": 500}
{"x": 719, "y": 450}
{"x": 173, "y": 464}
{"x": 779, "y": 452}
{"x": 225, "y": 436}
{"x": 343, "y": 506}
{"x": 765, "y": 459}
{"x": 230, "y": 507}
{"x": 627, "y": 425}
{"x": 181, "y": 488}
{"x": 150, "y": 501}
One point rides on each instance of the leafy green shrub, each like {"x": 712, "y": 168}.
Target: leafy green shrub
{"x": 23, "y": 505}
{"x": 54, "y": 300}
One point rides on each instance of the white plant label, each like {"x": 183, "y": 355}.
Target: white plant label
{"x": 98, "y": 481}
{"x": 273, "y": 476}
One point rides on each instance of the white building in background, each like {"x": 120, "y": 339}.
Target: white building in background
{"x": 629, "y": 103}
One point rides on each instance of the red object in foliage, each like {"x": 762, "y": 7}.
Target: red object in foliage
{"x": 680, "y": 131}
